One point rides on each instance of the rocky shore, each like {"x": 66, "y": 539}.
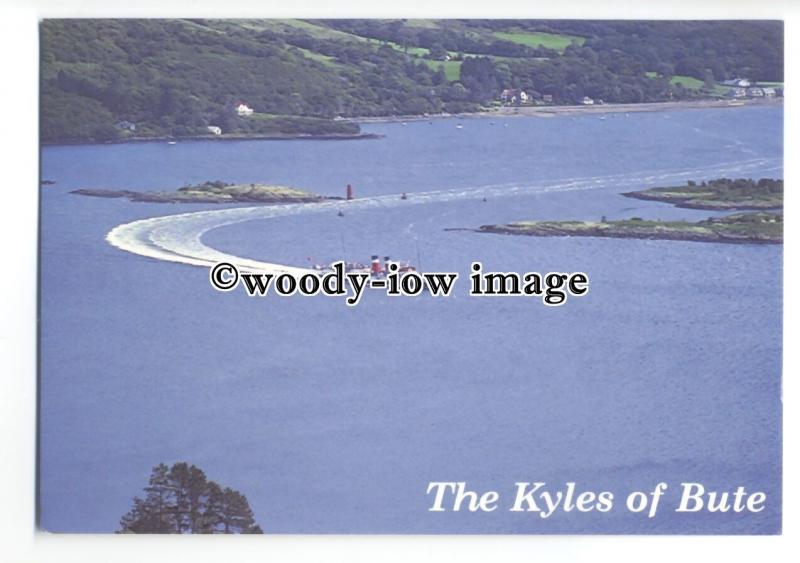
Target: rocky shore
{"x": 747, "y": 228}
{"x": 706, "y": 197}
{"x": 213, "y": 192}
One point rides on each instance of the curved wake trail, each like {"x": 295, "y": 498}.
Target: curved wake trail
{"x": 177, "y": 238}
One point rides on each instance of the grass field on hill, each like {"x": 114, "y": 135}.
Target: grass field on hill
{"x": 691, "y": 83}
{"x": 319, "y": 57}
{"x": 686, "y": 81}
{"x": 452, "y": 69}
{"x": 540, "y": 38}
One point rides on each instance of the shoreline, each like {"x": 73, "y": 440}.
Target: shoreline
{"x": 688, "y": 232}
{"x": 197, "y": 138}
{"x": 553, "y": 111}
{"x": 500, "y": 112}
{"x": 719, "y": 195}
{"x": 688, "y": 204}
{"x": 213, "y": 192}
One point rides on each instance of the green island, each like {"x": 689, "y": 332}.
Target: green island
{"x": 213, "y": 192}
{"x": 764, "y": 226}
{"x": 720, "y": 194}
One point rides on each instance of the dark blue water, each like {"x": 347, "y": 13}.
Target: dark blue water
{"x": 335, "y": 419}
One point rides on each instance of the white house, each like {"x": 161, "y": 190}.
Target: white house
{"x": 243, "y": 109}
{"x": 513, "y": 96}
{"x": 769, "y": 92}
{"x": 755, "y": 92}
{"x": 587, "y": 101}
{"x": 737, "y": 93}
{"x": 214, "y": 129}
{"x": 127, "y": 125}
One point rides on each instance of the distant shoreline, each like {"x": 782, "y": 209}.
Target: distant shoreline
{"x": 195, "y": 138}
{"x": 552, "y": 111}
{"x": 500, "y": 112}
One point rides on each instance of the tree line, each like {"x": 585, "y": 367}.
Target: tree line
{"x": 177, "y": 77}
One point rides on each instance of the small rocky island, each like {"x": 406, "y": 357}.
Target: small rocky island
{"x": 720, "y": 195}
{"x": 764, "y": 226}
{"x": 760, "y": 227}
{"x": 214, "y": 192}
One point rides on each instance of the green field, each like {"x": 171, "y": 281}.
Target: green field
{"x": 540, "y": 38}
{"x": 692, "y": 83}
{"x": 319, "y": 31}
{"x": 689, "y": 82}
{"x": 288, "y": 25}
{"x": 452, "y": 69}
{"x": 319, "y": 57}
{"x": 428, "y": 24}
{"x": 413, "y": 51}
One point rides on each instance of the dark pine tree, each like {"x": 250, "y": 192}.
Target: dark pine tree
{"x": 237, "y": 516}
{"x": 156, "y": 513}
{"x": 181, "y": 500}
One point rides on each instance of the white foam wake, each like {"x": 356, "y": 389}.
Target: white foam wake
{"x": 177, "y": 238}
